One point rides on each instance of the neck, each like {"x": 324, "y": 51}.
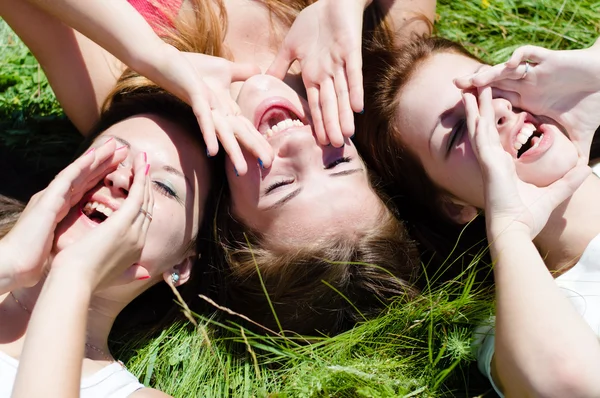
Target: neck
{"x": 571, "y": 227}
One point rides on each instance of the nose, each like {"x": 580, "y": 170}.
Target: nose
{"x": 253, "y": 90}
{"x": 505, "y": 116}
{"x": 300, "y": 145}
{"x": 119, "y": 181}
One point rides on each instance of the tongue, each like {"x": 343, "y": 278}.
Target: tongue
{"x": 535, "y": 140}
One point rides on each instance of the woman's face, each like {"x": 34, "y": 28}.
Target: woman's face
{"x": 180, "y": 179}
{"x": 432, "y": 124}
{"x": 310, "y": 191}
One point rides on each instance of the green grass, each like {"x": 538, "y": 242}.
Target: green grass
{"x": 418, "y": 349}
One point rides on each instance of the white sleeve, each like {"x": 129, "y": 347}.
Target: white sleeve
{"x": 484, "y": 339}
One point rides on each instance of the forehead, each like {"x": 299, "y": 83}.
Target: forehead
{"x": 162, "y": 139}
{"x": 344, "y": 206}
{"x": 431, "y": 91}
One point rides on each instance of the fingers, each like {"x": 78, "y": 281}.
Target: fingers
{"x": 331, "y": 118}
{"x": 243, "y": 71}
{"x": 230, "y": 143}
{"x": 355, "y": 81}
{"x": 129, "y": 211}
{"x": 563, "y": 188}
{"x": 346, "y": 115}
{"x": 529, "y": 53}
{"x": 282, "y": 62}
{"x": 203, "y": 113}
{"x": 312, "y": 93}
{"x": 501, "y": 76}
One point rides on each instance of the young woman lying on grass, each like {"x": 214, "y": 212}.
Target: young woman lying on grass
{"x": 121, "y": 219}
{"x": 281, "y": 213}
{"x": 453, "y": 155}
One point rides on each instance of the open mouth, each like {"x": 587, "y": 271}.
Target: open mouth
{"x": 96, "y": 212}
{"x": 528, "y": 139}
{"x": 277, "y": 119}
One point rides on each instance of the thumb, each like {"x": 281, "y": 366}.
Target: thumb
{"x": 562, "y": 189}
{"x": 243, "y": 71}
{"x": 134, "y": 273}
{"x": 281, "y": 64}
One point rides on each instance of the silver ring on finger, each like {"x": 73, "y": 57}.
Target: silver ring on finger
{"x": 146, "y": 214}
{"x": 527, "y": 66}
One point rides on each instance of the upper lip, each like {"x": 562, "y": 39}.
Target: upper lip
{"x": 103, "y": 199}
{"x": 523, "y": 117}
{"x": 276, "y": 102}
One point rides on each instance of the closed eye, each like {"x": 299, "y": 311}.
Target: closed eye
{"x": 457, "y": 132}
{"x": 337, "y": 161}
{"x": 165, "y": 190}
{"x": 276, "y": 185}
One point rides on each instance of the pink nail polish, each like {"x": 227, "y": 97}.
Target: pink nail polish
{"x": 109, "y": 140}
{"x": 121, "y": 147}
{"x": 147, "y": 169}
{"x": 141, "y": 278}
{"x": 90, "y": 151}
{"x": 145, "y": 158}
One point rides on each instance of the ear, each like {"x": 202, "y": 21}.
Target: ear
{"x": 183, "y": 269}
{"x": 458, "y": 211}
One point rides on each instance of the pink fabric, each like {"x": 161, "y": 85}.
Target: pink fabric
{"x": 158, "y": 13}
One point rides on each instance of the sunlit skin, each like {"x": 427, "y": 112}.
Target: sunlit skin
{"x": 180, "y": 179}
{"x": 431, "y": 110}
{"x": 324, "y": 190}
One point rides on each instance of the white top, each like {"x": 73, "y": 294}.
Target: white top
{"x": 112, "y": 381}
{"x": 581, "y": 284}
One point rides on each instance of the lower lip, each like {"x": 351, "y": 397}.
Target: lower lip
{"x": 543, "y": 146}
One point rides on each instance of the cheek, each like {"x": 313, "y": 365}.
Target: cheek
{"x": 167, "y": 236}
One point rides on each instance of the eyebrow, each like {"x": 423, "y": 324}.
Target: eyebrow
{"x": 296, "y": 192}
{"x": 445, "y": 114}
{"x": 122, "y": 141}
{"x": 284, "y": 200}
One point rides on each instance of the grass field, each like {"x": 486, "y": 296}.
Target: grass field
{"x": 415, "y": 350}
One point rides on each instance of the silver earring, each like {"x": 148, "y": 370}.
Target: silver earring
{"x": 175, "y": 277}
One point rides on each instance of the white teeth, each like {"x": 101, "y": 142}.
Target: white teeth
{"x": 99, "y": 207}
{"x": 282, "y": 125}
{"x": 522, "y": 138}
{"x": 526, "y": 131}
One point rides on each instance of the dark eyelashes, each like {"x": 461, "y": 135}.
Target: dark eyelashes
{"x": 336, "y": 162}
{"x": 165, "y": 190}
{"x": 456, "y": 133}
{"x": 276, "y": 185}
{"x": 331, "y": 165}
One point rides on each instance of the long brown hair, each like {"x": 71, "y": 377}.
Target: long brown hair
{"x": 323, "y": 288}
{"x": 387, "y": 69}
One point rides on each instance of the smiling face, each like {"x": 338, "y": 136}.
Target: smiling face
{"x": 180, "y": 179}
{"x": 431, "y": 119}
{"x": 310, "y": 191}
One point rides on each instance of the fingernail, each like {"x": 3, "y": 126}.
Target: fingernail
{"x": 121, "y": 147}
{"x": 141, "y": 278}
{"x": 352, "y": 136}
{"x": 208, "y": 153}
{"x": 90, "y": 151}
{"x": 236, "y": 172}
{"x": 145, "y": 157}
{"x": 109, "y": 140}
{"x": 363, "y": 111}
{"x": 260, "y": 163}
{"x": 147, "y": 169}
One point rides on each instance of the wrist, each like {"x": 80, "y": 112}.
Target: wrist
{"x": 70, "y": 281}
{"x": 503, "y": 227}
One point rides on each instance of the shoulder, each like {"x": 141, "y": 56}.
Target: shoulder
{"x": 149, "y": 393}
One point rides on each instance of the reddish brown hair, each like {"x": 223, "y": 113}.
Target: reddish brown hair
{"x": 387, "y": 70}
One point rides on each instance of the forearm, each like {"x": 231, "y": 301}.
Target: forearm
{"x": 79, "y": 71}
{"x": 55, "y": 342}
{"x": 543, "y": 346}
{"x": 118, "y": 28}
{"x": 7, "y": 279}
{"x": 409, "y": 16}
